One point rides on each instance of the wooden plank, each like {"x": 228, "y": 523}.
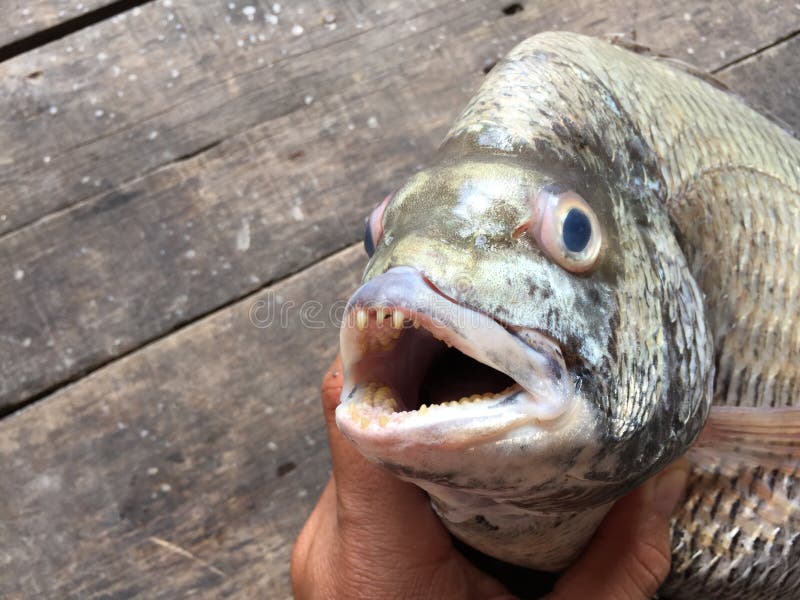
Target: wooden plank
{"x": 24, "y": 19}
{"x": 770, "y": 80}
{"x": 155, "y": 475}
{"x": 351, "y": 112}
{"x": 194, "y": 73}
{"x": 185, "y": 468}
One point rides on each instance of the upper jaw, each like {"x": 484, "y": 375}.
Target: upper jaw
{"x": 372, "y": 415}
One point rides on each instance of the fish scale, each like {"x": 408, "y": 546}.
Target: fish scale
{"x": 693, "y": 302}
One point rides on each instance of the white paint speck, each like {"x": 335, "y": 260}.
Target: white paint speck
{"x": 53, "y": 110}
{"x": 243, "y": 236}
{"x": 144, "y": 433}
{"x": 249, "y": 12}
{"x": 297, "y": 30}
{"x": 133, "y": 77}
{"x": 99, "y": 113}
{"x": 136, "y": 11}
{"x": 240, "y": 43}
{"x": 308, "y": 99}
{"x": 231, "y": 5}
{"x": 26, "y": 343}
{"x": 165, "y": 487}
{"x": 46, "y": 160}
{"x": 167, "y": 3}
{"x": 152, "y": 135}
{"x": 297, "y": 213}
{"x": 174, "y": 73}
{"x": 152, "y": 471}
{"x": 687, "y": 16}
{"x": 86, "y": 180}
{"x": 19, "y": 274}
{"x": 190, "y": 254}
{"x": 272, "y": 446}
{"x": 690, "y": 51}
{"x": 276, "y": 8}
{"x": 271, "y": 19}
{"x": 372, "y": 122}
{"x": 102, "y": 56}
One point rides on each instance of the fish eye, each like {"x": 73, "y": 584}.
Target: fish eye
{"x": 373, "y": 229}
{"x": 565, "y": 227}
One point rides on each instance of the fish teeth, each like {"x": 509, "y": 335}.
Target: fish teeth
{"x": 397, "y": 319}
{"x": 361, "y": 319}
{"x": 380, "y": 315}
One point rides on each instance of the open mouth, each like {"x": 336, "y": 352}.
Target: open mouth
{"x": 417, "y": 362}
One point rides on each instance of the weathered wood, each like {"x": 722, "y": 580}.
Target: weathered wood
{"x": 155, "y": 475}
{"x": 345, "y": 115}
{"x": 117, "y": 84}
{"x": 185, "y": 468}
{"x": 24, "y": 19}
{"x": 769, "y": 80}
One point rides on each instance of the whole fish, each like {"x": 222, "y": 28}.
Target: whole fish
{"x": 598, "y": 271}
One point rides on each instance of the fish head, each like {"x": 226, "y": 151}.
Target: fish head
{"x": 527, "y": 332}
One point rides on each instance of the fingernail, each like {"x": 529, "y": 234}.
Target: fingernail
{"x": 669, "y": 490}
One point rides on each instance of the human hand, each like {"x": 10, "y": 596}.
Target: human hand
{"x": 372, "y": 535}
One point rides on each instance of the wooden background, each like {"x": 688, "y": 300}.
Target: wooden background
{"x": 170, "y": 172}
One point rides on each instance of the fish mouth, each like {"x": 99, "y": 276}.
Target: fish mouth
{"x": 421, "y": 369}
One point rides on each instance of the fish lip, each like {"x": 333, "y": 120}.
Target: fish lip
{"x": 543, "y": 391}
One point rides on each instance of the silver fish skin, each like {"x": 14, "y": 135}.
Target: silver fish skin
{"x": 592, "y": 367}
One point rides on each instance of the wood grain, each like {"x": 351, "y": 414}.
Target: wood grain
{"x": 185, "y": 468}
{"x": 317, "y": 127}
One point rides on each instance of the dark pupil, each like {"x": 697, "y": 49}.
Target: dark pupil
{"x": 369, "y": 244}
{"x": 577, "y": 230}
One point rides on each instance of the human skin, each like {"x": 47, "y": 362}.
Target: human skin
{"x": 372, "y": 535}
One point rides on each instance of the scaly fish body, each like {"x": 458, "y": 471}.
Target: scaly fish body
{"x": 613, "y": 244}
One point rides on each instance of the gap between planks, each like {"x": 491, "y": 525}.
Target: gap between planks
{"x": 10, "y": 410}
{"x": 781, "y": 40}
{"x": 65, "y": 28}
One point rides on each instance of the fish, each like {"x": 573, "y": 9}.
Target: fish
{"x": 597, "y": 273}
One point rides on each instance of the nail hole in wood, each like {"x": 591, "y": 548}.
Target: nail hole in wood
{"x": 34, "y": 75}
{"x": 286, "y": 468}
{"x": 513, "y": 9}
{"x": 488, "y": 65}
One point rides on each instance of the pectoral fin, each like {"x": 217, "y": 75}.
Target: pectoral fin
{"x": 758, "y": 451}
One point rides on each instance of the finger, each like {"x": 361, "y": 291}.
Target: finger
{"x": 366, "y": 492}
{"x": 629, "y": 555}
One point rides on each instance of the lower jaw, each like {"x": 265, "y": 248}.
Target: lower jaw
{"x": 379, "y": 405}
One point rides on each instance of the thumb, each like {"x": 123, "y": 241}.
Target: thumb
{"x": 364, "y": 491}
{"x": 630, "y": 554}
